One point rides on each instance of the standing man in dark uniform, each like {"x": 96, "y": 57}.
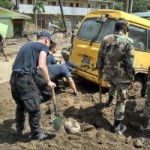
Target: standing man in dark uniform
{"x": 115, "y": 65}
{"x": 23, "y": 87}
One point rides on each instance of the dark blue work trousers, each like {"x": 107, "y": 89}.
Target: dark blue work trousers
{"x": 28, "y": 99}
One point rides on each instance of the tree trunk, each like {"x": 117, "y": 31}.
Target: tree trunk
{"x": 130, "y": 6}
{"x": 62, "y": 15}
{"x": 35, "y": 20}
{"x": 35, "y": 15}
{"x": 126, "y": 5}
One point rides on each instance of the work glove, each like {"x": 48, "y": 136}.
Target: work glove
{"x": 75, "y": 93}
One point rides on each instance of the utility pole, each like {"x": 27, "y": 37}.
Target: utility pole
{"x": 35, "y": 16}
{"x": 130, "y": 6}
{"x": 126, "y": 5}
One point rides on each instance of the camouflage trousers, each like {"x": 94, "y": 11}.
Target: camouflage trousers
{"x": 122, "y": 92}
{"x": 119, "y": 83}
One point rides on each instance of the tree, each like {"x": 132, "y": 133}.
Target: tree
{"x": 38, "y": 7}
{"x": 58, "y": 21}
{"x": 118, "y": 5}
{"x": 131, "y": 5}
{"x": 6, "y": 4}
{"x": 141, "y": 5}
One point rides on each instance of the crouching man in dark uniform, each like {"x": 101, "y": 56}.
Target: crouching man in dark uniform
{"x": 23, "y": 87}
{"x": 57, "y": 71}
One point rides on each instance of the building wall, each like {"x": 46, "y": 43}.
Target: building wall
{"x": 7, "y": 21}
{"x": 70, "y": 3}
{"x": 74, "y": 10}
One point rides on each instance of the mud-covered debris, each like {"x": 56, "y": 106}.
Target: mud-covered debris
{"x": 97, "y": 123}
{"x": 135, "y": 125}
{"x": 138, "y": 143}
{"x": 22, "y": 145}
{"x": 86, "y": 127}
{"x": 65, "y": 103}
{"x": 73, "y": 137}
{"x": 100, "y": 141}
{"x": 98, "y": 134}
{"x": 128, "y": 140}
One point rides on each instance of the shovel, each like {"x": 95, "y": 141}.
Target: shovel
{"x": 100, "y": 92}
{"x": 57, "y": 120}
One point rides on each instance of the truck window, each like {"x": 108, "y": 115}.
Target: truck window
{"x": 90, "y": 28}
{"x": 148, "y": 40}
{"x": 139, "y": 36}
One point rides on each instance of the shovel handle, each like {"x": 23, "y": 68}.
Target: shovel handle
{"x": 54, "y": 100}
{"x": 53, "y": 95}
{"x": 100, "y": 91}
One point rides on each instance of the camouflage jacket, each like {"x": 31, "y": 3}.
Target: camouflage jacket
{"x": 117, "y": 51}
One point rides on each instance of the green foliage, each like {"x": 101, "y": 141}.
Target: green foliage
{"x": 141, "y": 5}
{"x": 138, "y": 5}
{"x": 148, "y": 18}
{"x": 118, "y": 6}
{"x": 6, "y": 4}
{"x": 38, "y": 7}
{"x": 58, "y": 20}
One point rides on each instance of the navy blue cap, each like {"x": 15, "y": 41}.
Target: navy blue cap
{"x": 45, "y": 34}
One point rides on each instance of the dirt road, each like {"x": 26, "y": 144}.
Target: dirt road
{"x": 95, "y": 124}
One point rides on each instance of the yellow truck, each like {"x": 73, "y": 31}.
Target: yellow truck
{"x": 87, "y": 42}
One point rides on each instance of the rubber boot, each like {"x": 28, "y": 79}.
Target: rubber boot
{"x": 118, "y": 127}
{"x": 109, "y": 102}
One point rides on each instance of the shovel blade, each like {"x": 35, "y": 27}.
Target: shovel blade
{"x": 57, "y": 121}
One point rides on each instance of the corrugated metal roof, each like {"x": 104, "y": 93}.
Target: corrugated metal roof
{"x": 12, "y": 14}
{"x": 142, "y": 14}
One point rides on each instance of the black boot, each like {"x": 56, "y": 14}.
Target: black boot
{"x": 118, "y": 127}
{"x": 109, "y": 102}
{"x": 43, "y": 136}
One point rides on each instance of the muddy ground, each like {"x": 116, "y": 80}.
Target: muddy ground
{"x": 95, "y": 123}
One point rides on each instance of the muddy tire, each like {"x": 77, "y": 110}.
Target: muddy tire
{"x": 138, "y": 87}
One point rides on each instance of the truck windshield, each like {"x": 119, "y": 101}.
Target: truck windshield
{"x": 90, "y": 28}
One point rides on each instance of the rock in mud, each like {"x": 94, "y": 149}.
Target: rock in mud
{"x": 138, "y": 143}
{"x": 128, "y": 140}
{"x": 86, "y": 127}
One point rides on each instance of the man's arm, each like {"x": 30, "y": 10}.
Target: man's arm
{"x": 100, "y": 60}
{"x": 44, "y": 70}
{"x": 72, "y": 84}
{"x": 129, "y": 60}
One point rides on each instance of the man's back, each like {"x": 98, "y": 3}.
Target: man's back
{"x": 116, "y": 56}
{"x": 58, "y": 71}
{"x": 27, "y": 58}
{"x": 115, "y": 49}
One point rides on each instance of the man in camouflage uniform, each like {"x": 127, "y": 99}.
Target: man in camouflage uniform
{"x": 115, "y": 65}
